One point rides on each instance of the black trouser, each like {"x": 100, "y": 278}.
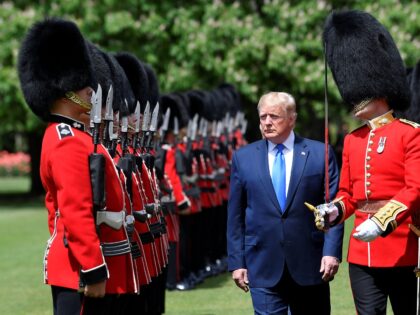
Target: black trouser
{"x": 70, "y": 302}
{"x": 173, "y": 266}
{"x": 66, "y": 301}
{"x": 110, "y": 304}
{"x": 372, "y": 286}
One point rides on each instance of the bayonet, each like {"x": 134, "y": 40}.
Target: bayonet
{"x": 237, "y": 119}
{"x": 137, "y": 118}
{"x": 226, "y": 121}
{"x": 165, "y": 125}
{"x": 219, "y": 129}
{"x": 194, "y": 127}
{"x": 204, "y": 128}
{"x": 189, "y": 129}
{"x": 137, "y": 114}
{"x": 95, "y": 116}
{"x": 153, "y": 126}
{"x": 93, "y": 102}
{"x": 200, "y": 126}
{"x": 124, "y": 133}
{"x": 176, "y": 126}
{"x": 108, "y": 107}
{"x": 166, "y": 117}
{"x": 146, "y": 118}
{"x": 108, "y": 118}
{"x": 97, "y": 108}
{"x": 145, "y": 124}
{"x": 243, "y": 126}
{"x": 231, "y": 125}
{"x": 154, "y": 120}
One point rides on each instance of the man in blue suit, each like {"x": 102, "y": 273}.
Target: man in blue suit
{"x": 274, "y": 246}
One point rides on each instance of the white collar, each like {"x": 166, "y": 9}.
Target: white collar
{"x": 288, "y": 143}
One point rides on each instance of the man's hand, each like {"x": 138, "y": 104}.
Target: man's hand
{"x": 240, "y": 276}
{"x": 329, "y": 267}
{"x": 367, "y": 231}
{"x": 96, "y": 290}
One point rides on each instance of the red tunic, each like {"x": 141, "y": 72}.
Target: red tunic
{"x": 74, "y": 246}
{"x": 383, "y": 164}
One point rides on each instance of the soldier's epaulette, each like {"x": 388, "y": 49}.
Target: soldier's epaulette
{"x": 360, "y": 127}
{"x": 409, "y": 122}
{"x": 64, "y": 131}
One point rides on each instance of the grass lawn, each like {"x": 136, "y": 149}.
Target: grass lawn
{"x": 23, "y": 235}
{"x": 14, "y": 185}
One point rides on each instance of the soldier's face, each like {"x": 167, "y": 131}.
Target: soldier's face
{"x": 275, "y": 123}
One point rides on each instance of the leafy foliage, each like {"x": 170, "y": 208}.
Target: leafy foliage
{"x": 256, "y": 45}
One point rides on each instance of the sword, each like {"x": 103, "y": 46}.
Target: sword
{"x": 416, "y": 231}
{"x": 327, "y": 174}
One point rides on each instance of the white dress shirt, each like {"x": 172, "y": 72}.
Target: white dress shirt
{"x": 288, "y": 156}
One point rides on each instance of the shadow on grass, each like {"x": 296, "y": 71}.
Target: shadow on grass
{"x": 18, "y": 200}
{"x": 215, "y": 281}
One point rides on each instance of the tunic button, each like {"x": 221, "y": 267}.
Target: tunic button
{"x": 370, "y": 142}
{"x": 368, "y": 175}
{"x": 369, "y": 150}
{"x": 368, "y": 158}
{"x": 368, "y": 192}
{"x": 367, "y": 183}
{"x": 367, "y": 166}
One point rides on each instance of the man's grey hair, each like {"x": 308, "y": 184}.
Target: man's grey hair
{"x": 278, "y": 98}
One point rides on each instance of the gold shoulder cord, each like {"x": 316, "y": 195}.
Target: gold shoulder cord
{"x": 409, "y": 122}
{"x": 76, "y": 99}
{"x": 387, "y": 214}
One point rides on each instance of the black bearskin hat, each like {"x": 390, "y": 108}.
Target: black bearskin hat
{"x": 137, "y": 77}
{"x": 53, "y": 59}
{"x": 197, "y": 102}
{"x": 153, "y": 85}
{"x": 178, "y": 109}
{"x": 364, "y": 60}
{"x": 413, "y": 78}
{"x": 101, "y": 69}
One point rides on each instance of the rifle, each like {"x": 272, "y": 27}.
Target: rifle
{"x": 97, "y": 160}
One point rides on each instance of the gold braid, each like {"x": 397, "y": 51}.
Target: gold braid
{"x": 76, "y": 99}
{"x": 361, "y": 105}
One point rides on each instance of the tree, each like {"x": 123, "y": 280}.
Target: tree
{"x": 258, "y": 46}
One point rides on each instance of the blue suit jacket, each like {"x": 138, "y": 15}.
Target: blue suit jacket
{"x": 261, "y": 238}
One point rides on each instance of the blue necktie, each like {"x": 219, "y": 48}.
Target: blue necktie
{"x": 278, "y": 177}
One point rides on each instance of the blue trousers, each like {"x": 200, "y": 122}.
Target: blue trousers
{"x": 288, "y": 296}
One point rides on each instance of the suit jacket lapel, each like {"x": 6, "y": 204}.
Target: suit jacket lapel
{"x": 264, "y": 172}
{"x": 300, "y": 156}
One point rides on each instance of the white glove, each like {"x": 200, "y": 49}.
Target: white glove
{"x": 367, "y": 231}
{"x": 328, "y": 210}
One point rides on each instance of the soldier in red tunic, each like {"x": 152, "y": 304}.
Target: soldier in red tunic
{"x": 380, "y": 182}
{"x": 82, "y": 256}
